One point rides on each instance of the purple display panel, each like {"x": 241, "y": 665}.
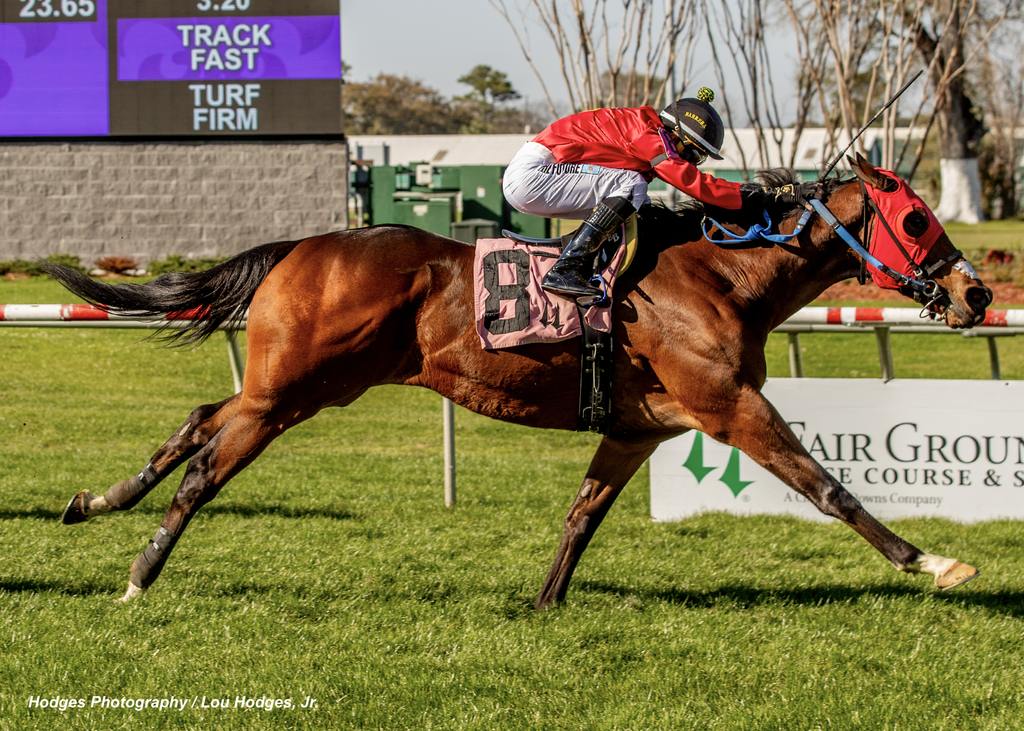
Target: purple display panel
{"x": 225, "y": 49}
{"x": 53, "y": 76}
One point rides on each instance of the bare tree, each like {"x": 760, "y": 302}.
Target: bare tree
{"x": 744, "y": 28}
{"x": 627, "y": 52}
{"x": 1001, "y": 94}
{"x": 850, "y": 29}
{"x": 939, "y": 37}
{"x": 850, "y": 55}
{"x": 890, "y": 68}
{"x": 872, "y": 47}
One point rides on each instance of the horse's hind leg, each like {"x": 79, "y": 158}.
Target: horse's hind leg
{"x": 245, "y": 435}
{"x": 756, "y": 428}
{"x": 199, "y": 428}
{"x": 614, "y": 463}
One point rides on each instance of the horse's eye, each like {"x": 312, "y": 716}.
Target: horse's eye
{"x": 915, "y": 223}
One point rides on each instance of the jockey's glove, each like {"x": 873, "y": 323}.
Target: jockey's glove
{"x": 765, "y": 195}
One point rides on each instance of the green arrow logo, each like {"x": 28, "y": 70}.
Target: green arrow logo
{"x": 730, "y": 476}
{"x": 695, "y": 460}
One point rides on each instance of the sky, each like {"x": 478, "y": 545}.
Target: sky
{"x": 437, "y": 41}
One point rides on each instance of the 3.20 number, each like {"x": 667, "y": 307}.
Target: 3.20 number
{"x": 224, "y": 6}
{"x": 57, "y": 9}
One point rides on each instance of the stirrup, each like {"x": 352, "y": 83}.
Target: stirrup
{"x": 603, "y": 300}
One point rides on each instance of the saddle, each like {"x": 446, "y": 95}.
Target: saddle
{"x": 627, "y": 233}
{"x": 512, "y": 310}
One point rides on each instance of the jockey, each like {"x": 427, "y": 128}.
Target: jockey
{"x": 597, "y": 165}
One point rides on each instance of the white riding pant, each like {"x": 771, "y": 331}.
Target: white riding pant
{"x": 534, "y": 183}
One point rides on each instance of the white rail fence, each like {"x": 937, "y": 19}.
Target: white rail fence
{"x": 882, "y": 321}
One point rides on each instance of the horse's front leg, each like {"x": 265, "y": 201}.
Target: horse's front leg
{"x": 614, "y": 463}
{"x": 756, "y": 428}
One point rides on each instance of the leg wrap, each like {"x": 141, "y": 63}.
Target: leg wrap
{"x": 147, "y": 565}
{"x": 127, "y": 493}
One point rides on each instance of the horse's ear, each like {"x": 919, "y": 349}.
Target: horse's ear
{"x": 866, "y": 172}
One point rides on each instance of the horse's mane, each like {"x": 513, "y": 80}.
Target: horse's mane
{"x": 691, "y": 210}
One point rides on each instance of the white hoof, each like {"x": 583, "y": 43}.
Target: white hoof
{"x": 948, "y": 572}
{"x": 132, "y": 593}
{"x": 956, "y": 575}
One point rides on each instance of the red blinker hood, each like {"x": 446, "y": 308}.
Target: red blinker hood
{"x": 895, "y": 206}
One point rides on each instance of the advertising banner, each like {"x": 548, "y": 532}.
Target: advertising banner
{"x": 914, "y": 448}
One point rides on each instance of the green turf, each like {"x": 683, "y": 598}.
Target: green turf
{"x": 976, "y": 239}
{"x": 330, "y": 568}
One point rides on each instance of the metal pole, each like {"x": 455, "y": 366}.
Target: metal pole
{"x": 885, "y": 353}
{"x": 448, "y": 413}
{"x": 796, "y": 361}
{"x": 235, "y": 359}
{"x": 993, "y": 358}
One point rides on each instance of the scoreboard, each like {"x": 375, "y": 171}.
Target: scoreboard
{"x": 170, "y": 68}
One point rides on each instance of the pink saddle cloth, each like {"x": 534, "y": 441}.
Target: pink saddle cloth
{"x": 511, "y": 308}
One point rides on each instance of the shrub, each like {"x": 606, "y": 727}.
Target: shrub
{"x": 117, "y": 264}
{"x": 34, "y": 268}
{"x": 178, "y": 263}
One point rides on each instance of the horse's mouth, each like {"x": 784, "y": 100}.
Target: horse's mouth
{"x": 968, "y": 310}
{"x": 958, "y": 319}
{"x": 958, "y": 312}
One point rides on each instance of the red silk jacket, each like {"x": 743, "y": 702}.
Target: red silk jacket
{"x": 631, "y": 139}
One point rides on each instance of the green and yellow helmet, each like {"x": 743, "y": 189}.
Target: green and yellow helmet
{"x": 697, "y": 120}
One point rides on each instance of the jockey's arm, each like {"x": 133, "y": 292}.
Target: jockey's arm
{"x": 704, "y": 187}
{"x": 670, "y": 167}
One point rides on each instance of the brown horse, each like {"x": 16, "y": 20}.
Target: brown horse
{"x": 330, "y": 316}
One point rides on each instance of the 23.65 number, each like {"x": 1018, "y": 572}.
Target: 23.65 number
{"x": 57, "y": 9}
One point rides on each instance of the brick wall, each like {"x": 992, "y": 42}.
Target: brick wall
{"x": 148, "y": 200}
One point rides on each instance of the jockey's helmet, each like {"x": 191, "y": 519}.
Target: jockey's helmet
{"x": 696, "y": 123}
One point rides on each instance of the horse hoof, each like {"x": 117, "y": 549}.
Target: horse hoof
{"x": 75, "y": 512}
{"x": 956, "y": 575}
{"x": 132, "y": 593}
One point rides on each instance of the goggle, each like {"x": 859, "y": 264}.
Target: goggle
{"x": 695, "y": 152}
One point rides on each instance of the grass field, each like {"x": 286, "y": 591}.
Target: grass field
{"x": 331, "y": 569}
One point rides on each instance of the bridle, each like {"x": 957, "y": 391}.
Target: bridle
{"x": 920, "y": 284}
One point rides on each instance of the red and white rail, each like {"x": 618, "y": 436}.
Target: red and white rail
{"x": 892, "y": 317}
{"x": 43, "y": 315}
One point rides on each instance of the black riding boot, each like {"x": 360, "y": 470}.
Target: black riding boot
{"x": 570, "y": 276}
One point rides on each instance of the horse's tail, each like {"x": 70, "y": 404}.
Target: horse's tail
{"x": 211, "y": 298}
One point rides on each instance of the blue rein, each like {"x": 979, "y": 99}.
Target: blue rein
{"x": 757, "y": 232}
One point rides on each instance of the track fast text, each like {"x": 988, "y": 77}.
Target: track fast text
{"x": 223, "y": 48}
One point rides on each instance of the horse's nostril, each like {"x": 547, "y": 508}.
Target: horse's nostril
{"x": 978, "y": 298}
